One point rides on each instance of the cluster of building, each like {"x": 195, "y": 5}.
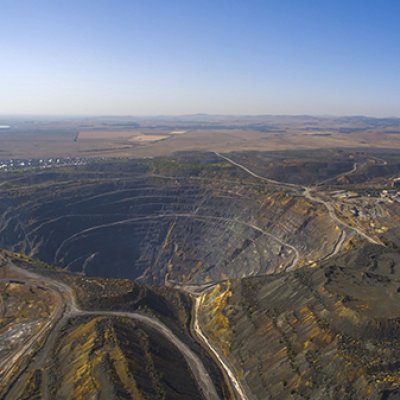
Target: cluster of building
{"x": 18, "y": 164}
{"x": 391, "y": 195}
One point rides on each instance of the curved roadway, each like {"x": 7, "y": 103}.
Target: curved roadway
{"x": 68, "y": 308}
{"x": 307, "y": 193}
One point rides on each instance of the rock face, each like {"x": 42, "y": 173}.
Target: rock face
{"x": 325, "y": 333}
{"x": 123, "y": 359}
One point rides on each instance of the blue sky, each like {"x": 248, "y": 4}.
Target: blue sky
{"x": 143, "y": 57}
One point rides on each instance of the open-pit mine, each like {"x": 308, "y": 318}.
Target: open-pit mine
{"x": 202, "y": 275}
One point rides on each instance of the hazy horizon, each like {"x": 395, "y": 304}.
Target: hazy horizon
{"x": 155, "y": 58}
{"x": 198, "y": 114}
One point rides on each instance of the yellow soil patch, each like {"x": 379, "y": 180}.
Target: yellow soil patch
{"x": 217, "y": 326}
{"x": 118, "y": 134}
{"x": 178, "y": 132}
{"x": 148, "y": 138}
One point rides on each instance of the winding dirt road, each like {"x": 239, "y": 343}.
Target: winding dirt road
{"x": 271, "y": 181}
{"x": 309, "y": 193}
{"x": 68, "y": 308}
{"x": 195, "y": 364}
{"x": 228, "y": 371}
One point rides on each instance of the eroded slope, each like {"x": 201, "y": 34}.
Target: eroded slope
{"x": 325, "y": 333}
{"x": 134, "y": 342}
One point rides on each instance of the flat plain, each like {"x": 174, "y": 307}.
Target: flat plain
{"x": 147, "y": 137}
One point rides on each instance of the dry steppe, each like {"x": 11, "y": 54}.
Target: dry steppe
{"x": 148, "y": 137}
